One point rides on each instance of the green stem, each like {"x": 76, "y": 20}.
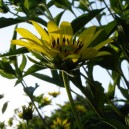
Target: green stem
{"x": 66, "y": 84}
{"x": 24, "y": 86}
{"x": 48, "y": 12}
{"x": 109, "y": 9}
{"x": 27, "y": 124}
{"x": 115, "y": 108}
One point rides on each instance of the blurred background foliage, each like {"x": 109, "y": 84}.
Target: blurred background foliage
{"x": 96, "y": 108}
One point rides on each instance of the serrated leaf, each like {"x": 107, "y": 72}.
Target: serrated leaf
{"x": 4, "y": 107}
{"x": 82, "y": 20}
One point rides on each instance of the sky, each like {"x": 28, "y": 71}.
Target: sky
{"x": 16, "y": 96}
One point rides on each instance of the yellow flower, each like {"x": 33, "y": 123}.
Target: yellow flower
{"x": 59, "y": 47}
{"x": 80, "y": 108}
{"x": 54, "y": 94}
{"x": 46, "y": 101}
{"x": 27, "y": 112}
{"x": 60, "y": 124}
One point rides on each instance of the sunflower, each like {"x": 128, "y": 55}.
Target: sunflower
{"x": 59, "y": 47}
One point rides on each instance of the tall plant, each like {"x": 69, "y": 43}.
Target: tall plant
{"x": 70, "y": 50}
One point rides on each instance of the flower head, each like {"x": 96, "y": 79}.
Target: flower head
{"x": 60, "y": 124}
{"x": 59, "y": 47}
{"x": 27, "y": 112}
{"x": 80, "y": 108}
{"x": 54, "y": 93}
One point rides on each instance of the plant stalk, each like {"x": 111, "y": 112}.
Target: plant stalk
{"x": 35, "y": 106}
{"x": 67, "y": 87}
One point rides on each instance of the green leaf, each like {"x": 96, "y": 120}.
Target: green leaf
{"x": 127, "y": 119}
{"x": 1, "y": 96}
{"x": 3, "y": 7}
{"x": 109, "y": 61}
{"x": 116, "y": 82}
{"x": 18, "y": 51}
{"x": 65, "y": 4}
{"x": 124, "y": 92}
{"x": 58, "y": 18}
{"x": 110, "y": 28}
{"x": 100, "y": 45}
{"x": 99, "y": 95}
{"x": 82, "y": 20}
{"x": 19, "y": 80}
{"x": 26, "y": 4}
{"x": 57, "y": 76}
{"x": 115, "y": 124}
{"x": 76, "y": 78}
{"x": 6, "y": 67}
{"x": 111, "y": 91}
{"x": 12, "y": 46}
{"x": 6, "y": 75}
{"x": 23, "y": 63}
{"x": 34, "y": 68}
{"x": 45, "y": 78}
{"x": 39, "y": 20}
{"x": 103, "y": 33}
{"x": 4, "y": 107}
{"x": 4, "y": 22}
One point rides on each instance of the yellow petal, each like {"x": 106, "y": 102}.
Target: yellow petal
{"x": 53, "y": 30}
{"x": 52, "y": 27}
{"x": 21, "y": 43}
{"x": 28, "y": 45}
{"x": 28, "y": 35}
{"x": 66, "y": 30}
{"x": 41, "y": 31}
{"x": 34, "y": 47}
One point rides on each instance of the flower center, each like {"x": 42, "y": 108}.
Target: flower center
{"x": 67, "y": 46}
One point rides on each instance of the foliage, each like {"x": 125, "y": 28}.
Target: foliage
{"x": 97, "y": 108}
